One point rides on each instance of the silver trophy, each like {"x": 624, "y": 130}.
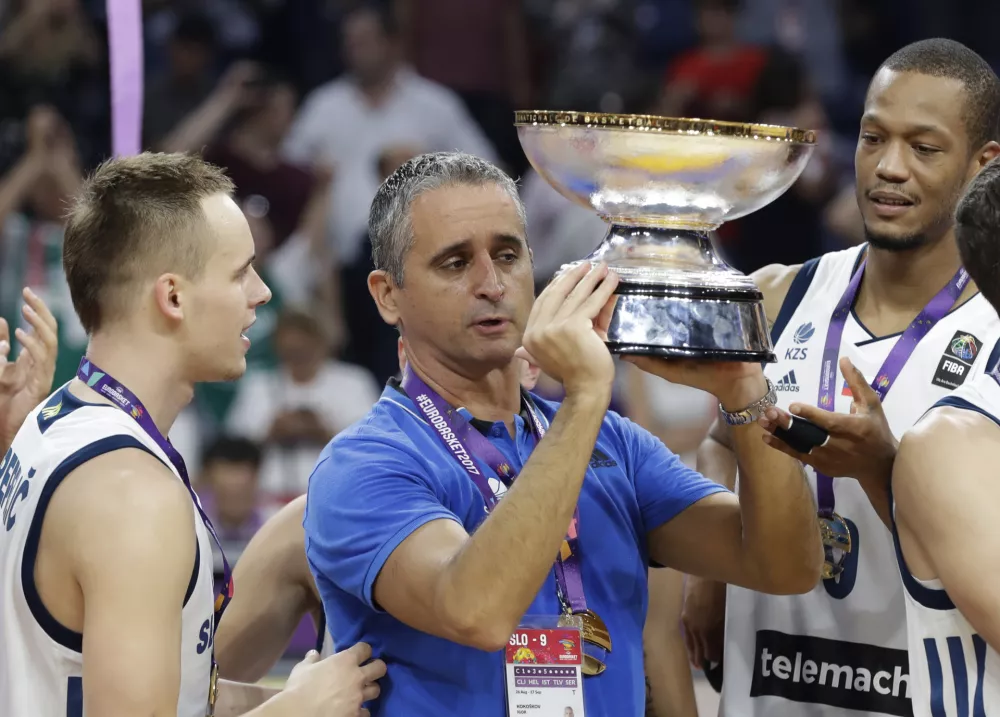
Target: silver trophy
{"x": 663, "y": 185}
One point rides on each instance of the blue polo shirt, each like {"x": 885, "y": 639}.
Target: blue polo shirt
{"x": 389, "y": 474}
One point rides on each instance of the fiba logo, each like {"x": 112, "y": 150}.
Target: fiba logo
{"x": 959, "y": 356}
{"x": 964, "y": 347}
{"x": 803, "y": 333}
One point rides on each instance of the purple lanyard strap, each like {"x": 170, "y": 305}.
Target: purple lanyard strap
{"x": 103, "y": 383}
{"x": 936, "y": 309}
{"x": 466, "y": 444}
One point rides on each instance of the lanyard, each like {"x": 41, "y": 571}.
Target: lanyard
{"x": 465, "y": 444}
{"x": 103, "y": 383}
{"x": 935, "y": 310}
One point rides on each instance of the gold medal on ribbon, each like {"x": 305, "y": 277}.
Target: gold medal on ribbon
{"x": 596, "y": 633}
{"x": 213, "y": 690}
{"x": 836, "y": 544}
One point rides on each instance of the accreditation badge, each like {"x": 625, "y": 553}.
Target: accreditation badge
{"x": 544, "y": 668}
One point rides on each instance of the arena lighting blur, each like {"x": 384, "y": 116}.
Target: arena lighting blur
{"x": 663, "y": 185}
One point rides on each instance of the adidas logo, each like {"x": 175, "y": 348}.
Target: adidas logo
{"x": 599, "y": 459}
{"x": 787, "y": 383}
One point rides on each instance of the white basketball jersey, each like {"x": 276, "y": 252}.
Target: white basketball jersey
{"x": 842, "y": 646}
{"x": 953, "y": 672}
{"x": 41, "y": 660}
{"x": 326, "y": 644}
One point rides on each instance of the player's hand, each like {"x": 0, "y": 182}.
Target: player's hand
{"x": 704, "y": 618}
{"x": 42, "y": 123}
{"x": 860, "y": 445}
{"x": 734, "y": 383}
{"x": 235, "y": 87}
{"x": 26, "y": 382}
{"x": 336, "y": 686}
{"x": 567, "y": 329}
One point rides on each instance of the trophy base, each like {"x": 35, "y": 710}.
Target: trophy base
{"x": 678, "y": 299}
{"x": 691, "y": 323}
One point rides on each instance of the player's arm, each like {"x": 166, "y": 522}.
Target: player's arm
{"x": 240, "y": 698}
{"x": 273, "y": 591}
{"x": 126, "y": 528}
{"x": 716, "y": 456}
{"x": 669, "y": 687}
{"x": 946, "y": 498}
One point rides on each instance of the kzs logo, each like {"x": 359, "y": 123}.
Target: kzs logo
{"x": 801, "y": 336}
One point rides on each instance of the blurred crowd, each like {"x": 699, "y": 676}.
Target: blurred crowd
{"x": 309, "y": 104}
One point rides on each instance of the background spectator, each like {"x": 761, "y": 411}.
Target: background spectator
{"x": 296, "y": 408}
{"x": 228, "y": 486}
{"x": 33, "y": 196}
{"x": 379, "y": 103}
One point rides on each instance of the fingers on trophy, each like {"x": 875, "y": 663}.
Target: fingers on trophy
{"x": 664, "y": 186}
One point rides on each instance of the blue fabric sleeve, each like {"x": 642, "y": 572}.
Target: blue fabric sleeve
{"x": 366, "y": 496}
{"x": 664, "y": 486}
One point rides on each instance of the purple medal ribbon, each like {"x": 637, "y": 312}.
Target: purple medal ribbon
{"x": 106, "y": 385}
{"x": 125, "y": 57}
{"x": 465, "y": 444}
{"x": 901, "y": 351}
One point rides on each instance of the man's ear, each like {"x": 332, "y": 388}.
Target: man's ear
{"x": 169, "y": 296}
{"x": 386, "y": 295}
{"x": 989, "y": 151}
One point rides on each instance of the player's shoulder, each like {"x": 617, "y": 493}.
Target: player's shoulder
{"x": 784, "y": 286}
{"x": 947, "y": 436}
{"x": 775, "y": 278}
{"x": 125, "y": 485}
{"x": 123, "y": 505}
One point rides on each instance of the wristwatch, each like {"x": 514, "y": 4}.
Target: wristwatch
{"x": 752, "y": 412}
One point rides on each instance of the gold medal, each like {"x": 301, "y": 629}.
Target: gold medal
{"x": 596, "y": 633}
{"x": 836, "y": 544}
{"x": 213, "y": 690}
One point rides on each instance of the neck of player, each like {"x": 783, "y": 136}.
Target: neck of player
{"x": 898, "y": 284}
{"x": 491, "y": 396}
{"x": 146, "y": 371}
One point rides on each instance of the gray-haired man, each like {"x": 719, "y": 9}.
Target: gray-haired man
{"x": 407, "y": 535}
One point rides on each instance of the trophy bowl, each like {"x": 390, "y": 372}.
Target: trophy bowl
{"x": 663, "y": 185}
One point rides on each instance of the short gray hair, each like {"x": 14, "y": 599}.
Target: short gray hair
{"x": 389, "y": 225}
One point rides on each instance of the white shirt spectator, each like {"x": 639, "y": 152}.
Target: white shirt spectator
{"x": 338, "y": 126}
{"x": 340, "y": 394}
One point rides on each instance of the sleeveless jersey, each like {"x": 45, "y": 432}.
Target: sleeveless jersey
{"x": 41, "y": 661}
{"x": 842, "y": 646}
{"x": 953, "y": 672}
{"x": 324, "y": 641}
